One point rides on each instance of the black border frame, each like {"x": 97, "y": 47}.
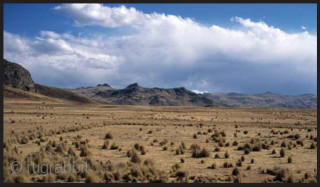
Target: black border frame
{"x": 134, "y": 184}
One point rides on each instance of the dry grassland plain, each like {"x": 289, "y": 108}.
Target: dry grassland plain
{"x": 160, "y": 144}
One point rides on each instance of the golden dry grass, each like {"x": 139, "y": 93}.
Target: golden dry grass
{"x": 161, "y": 130}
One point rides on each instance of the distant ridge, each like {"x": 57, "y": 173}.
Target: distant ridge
{"x": 17, "y": 77}
{"x": 135, "y": 94}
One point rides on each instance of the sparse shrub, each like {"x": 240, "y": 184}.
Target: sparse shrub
{"x": 274, "y": 152}
{"x": 217, "y": 156}
{"x": 182, "y": 160}
{"x": 252, "y": 161}
{"x": 245, "y": 132}
{"x": 217, "y": 149}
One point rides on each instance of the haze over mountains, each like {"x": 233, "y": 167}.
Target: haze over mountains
{"x": 17, "y": 77}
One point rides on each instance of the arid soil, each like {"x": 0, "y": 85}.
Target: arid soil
{"x": 176, "y": 144}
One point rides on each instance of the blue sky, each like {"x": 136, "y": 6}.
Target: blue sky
{"x": 28, "y": 19}
{"x": 121, "y": 46}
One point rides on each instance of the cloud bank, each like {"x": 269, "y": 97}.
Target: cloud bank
{"x": 161, "y": 50}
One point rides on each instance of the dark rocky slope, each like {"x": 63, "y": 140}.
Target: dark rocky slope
{"x": 16, "y": 76}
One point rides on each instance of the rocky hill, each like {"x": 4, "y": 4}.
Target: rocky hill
{"x": 16, "y": 76}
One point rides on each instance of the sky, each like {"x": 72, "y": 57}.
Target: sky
{"x": 245, "y": 48}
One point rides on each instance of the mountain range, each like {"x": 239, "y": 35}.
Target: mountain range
{"x": 18, "y": 78}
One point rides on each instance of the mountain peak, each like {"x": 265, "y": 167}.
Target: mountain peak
{"x": 134, "y": 85}
{"x": 105, "y": 84}
{"x": 269, "y": 93}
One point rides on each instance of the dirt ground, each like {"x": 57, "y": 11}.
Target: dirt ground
{"x": 150, "y": 126}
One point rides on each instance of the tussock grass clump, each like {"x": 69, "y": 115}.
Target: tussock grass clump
{"x": 71, "y": 151}
{"x": 92, "y": 178}
{"x": 135, "y": 158}
{"x": 61, "y": 148}
{"x": 108, "y": 136}
{"x": 235, "y": 172}
{"x": 114, "y": 146}
{"x": 84, "y": 151}
{"x": 235, "y": 143}
{"x": 242, "y": 159}
{"x": 289, "y": 160}
{"x": 279, "y": 173}
{"x": 239, "y": 163}
{"x": 50, "y": 178}
{"x": 226, "y": 164}
{"x": 196, "y": 153}
{"x": 195, "y": 136}
{"x": 213, "y": 166}
{"x": 282, "y": 153}
{"x": 21, "y": 179}
{"x": 226, "y": 155}
{"x": 247, "y": 151}
{"x": 283, "y": 144}
{"x": 312, "y": 146}
{"x": 195, "y": 146}
{"x": 180, "y": 150}
{"x": 105, "y": 144}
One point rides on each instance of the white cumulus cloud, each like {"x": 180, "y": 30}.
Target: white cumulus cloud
{"x": 161, "y": 50}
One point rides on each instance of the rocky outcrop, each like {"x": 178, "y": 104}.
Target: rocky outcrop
{"x": 17, "y": 77}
